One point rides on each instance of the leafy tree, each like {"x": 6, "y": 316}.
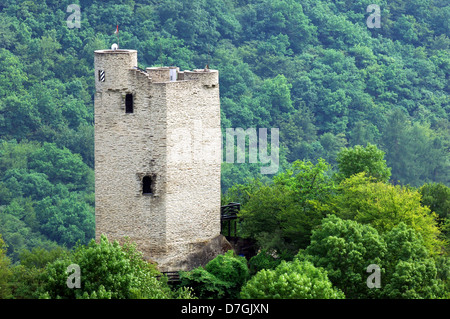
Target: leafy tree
{"x": 108, "y": 270}
{"x": 363, "y": 133}
{"x": 414, "y": 280}
{"x": 238, "y": 174}
{"x": 26, "y": 276}
{"x": 204, "y": 284}
{"x": 412, "y": 273}
{"x": 384, "y": 206}
{"x": 443, "y": 272}
{"x": 291, "y": 280}
{"x": 20, "y": 115}
{"x": 275, "y": 97}
{"x": 241, "y": 193}
{"x": 437, "y": 197}
{"x": 80, "y": 141}
{"x": 331, "y": 145}
{"x": 12, "y": 76}
{"x": 19, "y": 228}
{"x": 263, "y": 260}
{"x": 231, "y": 268}
{"x": 62, "y": 166}
{"x": 22, "y": 209}
{"x": 39, "y": 257}
{"x": 66, "y": 220}
{"x": 287, "y": 208}
{"x": 413, "y": 151}
{"x": 296, "y": 132}
{"x": 262, "y": 19}
{"x": 222, "y": 277}
{"x": 15, "y": 155}
{"x": 5, "y": 272}
{"x": 345, "y": 248}
{"x": 29, "y": 184}
{"x": 359, "y": 159}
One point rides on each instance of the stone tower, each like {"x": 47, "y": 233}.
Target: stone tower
{"x": 157, "y": 159}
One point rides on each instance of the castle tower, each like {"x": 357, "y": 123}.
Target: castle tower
{"x": 157, "y": 159}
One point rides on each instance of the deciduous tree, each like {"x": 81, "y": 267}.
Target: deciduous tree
{"x": 291, "y": 280}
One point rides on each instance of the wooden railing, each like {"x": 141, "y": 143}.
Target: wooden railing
{"x": 228, "y": 217}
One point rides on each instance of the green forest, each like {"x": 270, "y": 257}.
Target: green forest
{"x": 363, "y": 115}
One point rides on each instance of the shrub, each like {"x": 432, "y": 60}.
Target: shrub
{"x": 291, "y": 280}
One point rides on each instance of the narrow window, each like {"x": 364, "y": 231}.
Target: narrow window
{"x": 101, "y": 75}
{"x": 129, "y": 103}
{"x": 147, "y": 185}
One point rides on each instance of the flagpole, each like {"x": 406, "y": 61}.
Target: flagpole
{"x": 117, "y": 32}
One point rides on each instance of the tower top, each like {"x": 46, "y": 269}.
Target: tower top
{"x": 118, "y": 51}
{"x": 113, "y": 67}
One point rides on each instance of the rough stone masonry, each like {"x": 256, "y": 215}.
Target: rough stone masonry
{"x": 157, "y": 159}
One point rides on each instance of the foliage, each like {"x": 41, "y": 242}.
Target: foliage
{"x": 108, "y": 270}
{"x": 413, "y": 273}
{"x": 45, "y": 193}
{"x": 222, "y": 277}
{"x": 345, "y": 249}
{"x": 263, "y": 260}
{"x": 311, "y": 68}
{"x": 291, "y": 280}
{"x": 286, "y": 209}
{"x": 61, "y": 166}
{"x": 66, "y": 221}
{"x": 230, "y": 268}
{"x": 39, "y": 257}
{"x": 414, "y": 151}
{"x": 204, "y": 284}
{"x": 437, "y": 197}
{"x": 384, "y": 206}
{"x": 26, "y": 277}
{"x": 359, "y": 159}
{"x": 5, "y": 272}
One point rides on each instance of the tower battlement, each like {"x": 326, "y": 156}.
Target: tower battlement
{"x": 118, "y": 62}
{"x": 170, "y": 209}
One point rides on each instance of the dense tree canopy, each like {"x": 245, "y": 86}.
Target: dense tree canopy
{"x": 281, "y": 215}
{"x": 384, "y": 206}
{"x": 349, "y": 100}
{"x": 291, "y": 280}
{"x": 345, "y": 249}
{"x": 110, "y": 271}
{"x": 222, "y": 277}
{"x": 359, "y": 159}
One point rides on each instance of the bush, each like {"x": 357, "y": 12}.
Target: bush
{"x": 222, "y": 277}
{"x": 204, "y": 284}
{"x": 263, "y": 260}
{"x": 291, "y": 280}
{"x": 108, "y": 270}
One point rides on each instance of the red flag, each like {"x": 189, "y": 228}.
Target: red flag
{"x": 117, "y": 30}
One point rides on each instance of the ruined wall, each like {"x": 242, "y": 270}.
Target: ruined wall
{"x": 170, "y": 120}
{"x": 193, "y": 167}
{"x": 127, "y": 147}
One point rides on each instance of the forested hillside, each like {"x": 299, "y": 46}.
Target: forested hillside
{"x": 311, "y": 68}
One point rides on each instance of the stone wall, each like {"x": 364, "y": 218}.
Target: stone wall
{"x": 173, "y": 136}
